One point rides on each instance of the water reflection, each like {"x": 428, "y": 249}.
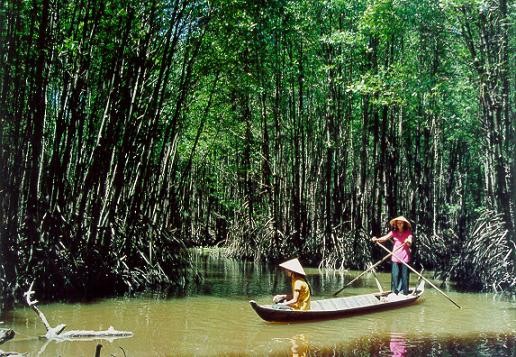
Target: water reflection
{"x": 234, "y": 279}
{"x": 215, "y": 319}
{"x": 299, "y": 346}
{"x": 398, "y": 344}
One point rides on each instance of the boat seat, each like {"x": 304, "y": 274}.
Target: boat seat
{"x": 344, "y": 303}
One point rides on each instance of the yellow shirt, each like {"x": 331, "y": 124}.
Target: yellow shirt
{"x": 303, "y": 301}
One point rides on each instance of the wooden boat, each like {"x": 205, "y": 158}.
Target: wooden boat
{"x": 340, "y": 307}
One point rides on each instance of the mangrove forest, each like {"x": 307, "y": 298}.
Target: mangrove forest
{"x": 132, "y": 131}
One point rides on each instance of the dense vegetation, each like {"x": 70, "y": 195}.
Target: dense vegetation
{"x": 132, "y": 129}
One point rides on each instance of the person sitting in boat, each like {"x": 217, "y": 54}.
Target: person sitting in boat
{"x": 402, "y": 238}
{"x": 300, "y": 297}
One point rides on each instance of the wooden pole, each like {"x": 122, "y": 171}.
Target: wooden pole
{"x": 421, "y": 276}
{"x": 367, "y": 270}
{"x": 380, "y": 288}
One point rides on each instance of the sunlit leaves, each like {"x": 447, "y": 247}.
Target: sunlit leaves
{"x": 384, "y": 87}
{"x": 383, "y": 19}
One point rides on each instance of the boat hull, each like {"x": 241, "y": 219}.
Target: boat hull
{"x": 336, "y": 308}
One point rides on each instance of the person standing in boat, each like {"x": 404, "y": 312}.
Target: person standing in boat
{"x": 299, "y": 299}
{"x": 402, "y": 237}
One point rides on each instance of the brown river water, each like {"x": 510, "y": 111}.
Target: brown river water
{"x": 213, "y": 318}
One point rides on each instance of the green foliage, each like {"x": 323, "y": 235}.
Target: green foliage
{"x": 277, "y": 128}
{"x": 383, "y": 19}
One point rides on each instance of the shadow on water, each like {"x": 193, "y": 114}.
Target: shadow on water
{"x": 217, "y": 275}
{"x": 231, "y": 278}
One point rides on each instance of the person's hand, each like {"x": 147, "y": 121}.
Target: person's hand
{"x": 276, "y": 299}
{"x": 374, "y": 239}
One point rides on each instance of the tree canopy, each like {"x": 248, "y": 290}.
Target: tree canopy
{"x": 132, "y": 130}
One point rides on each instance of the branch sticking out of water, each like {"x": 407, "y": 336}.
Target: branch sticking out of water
{"x": 56, "y": 333}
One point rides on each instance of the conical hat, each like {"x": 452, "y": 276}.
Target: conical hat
{"x": 392, "y": 222}
{"x": 293, "y": 265}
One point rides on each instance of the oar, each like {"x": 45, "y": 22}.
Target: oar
{"x": 421, "y": 276}
{"x": 368, "y": 269}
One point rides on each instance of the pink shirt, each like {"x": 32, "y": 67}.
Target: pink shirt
{"x": 404, "y": 253}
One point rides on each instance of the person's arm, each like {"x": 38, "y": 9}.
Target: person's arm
{"x": 293, "y": 300}
{"x": 383, "y": 238}
{"x": 408, "y": 241}
{"x": 279, "y": 298}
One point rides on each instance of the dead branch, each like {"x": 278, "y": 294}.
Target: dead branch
{"x": 11, "y": 354}
{"x": 56, "y": 333}
{"x": 6, "y": 335}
